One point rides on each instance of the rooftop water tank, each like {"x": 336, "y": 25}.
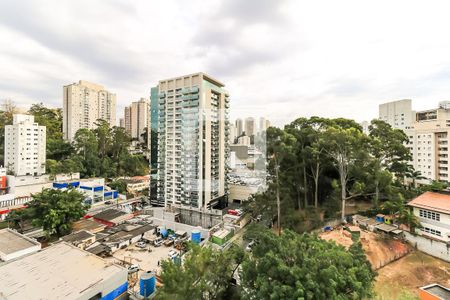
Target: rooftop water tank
{"x": 196, "y": 236}
{"x": 147, "y": 284}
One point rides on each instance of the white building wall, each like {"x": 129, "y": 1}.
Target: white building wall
{"x": 398, "y": 114}
{"x": 442, "y": 225}
{"x": 25, "y": 146}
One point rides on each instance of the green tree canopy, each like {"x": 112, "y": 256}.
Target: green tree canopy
{"x": 54, "y": 210}
{"x": 293, "y": 266}
{"x": 204, "y": 274}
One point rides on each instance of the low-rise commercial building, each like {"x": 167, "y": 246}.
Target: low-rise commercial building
{"x": 81, "y": 239}
{"x": 14, "y": 245}
{"x": 62, "y": 271}
{"x": 112, "y": 217}
{"x": 433, "y": 211}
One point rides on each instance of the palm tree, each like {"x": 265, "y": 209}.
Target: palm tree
{"x": 414, "y": 175}
{"x": 407, "y": 217}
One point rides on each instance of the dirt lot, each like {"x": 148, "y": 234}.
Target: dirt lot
{"x": 379, "y": 251}
{"x": 404, "y": 276}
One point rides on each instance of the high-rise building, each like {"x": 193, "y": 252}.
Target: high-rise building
{"x": 233, "y": 135}
{"x": 122, "y": 122}
{"x": 250, "y": 128}
{"x": 127, "y": 119}
{"x": 239, "y": 127}
{"x": 25, "y": 146}
{"x": 137, "y": 118}
{"x": 192, "y": 141}
{"x": 84, "y": 104}
{"x": 263, "y": 124}
{"x": 398, "y": 114}
{"x": 428, "y": 132}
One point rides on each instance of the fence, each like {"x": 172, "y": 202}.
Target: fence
{"x": 391, "y": 259}
{"x": 432, "y": 247}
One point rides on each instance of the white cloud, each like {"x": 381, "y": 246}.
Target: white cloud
{"x": 281, "y": 59}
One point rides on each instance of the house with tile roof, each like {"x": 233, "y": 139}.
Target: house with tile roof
{"x": 433, "y": 211}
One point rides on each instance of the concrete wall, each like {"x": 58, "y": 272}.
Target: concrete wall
{"x": 432, "y": 247}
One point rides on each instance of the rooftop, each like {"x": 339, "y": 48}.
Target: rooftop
{"x": 437, "y": 290}
{"x": 61, "y": 271}
{"x": 88, "y": 225}
{"x": 125, "y": 234}
{"x": 109, "y": 214}
{"x": 78, "y": 236}
{"x": 12, "y": 241}
{"x": 432, "y": 201}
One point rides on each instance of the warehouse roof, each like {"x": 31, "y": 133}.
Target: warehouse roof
{"x": 78, "y": 236}
{"x": 61, "y": 271}
{"x": 109, "y": 214}
{"x": 432, "y": 201}
{"x": 88, "y": 225}
{"x": 12, "y": 241}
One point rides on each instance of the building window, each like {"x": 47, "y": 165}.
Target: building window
{"x": 429, "y": 215}
{"x": 432, "y": 231}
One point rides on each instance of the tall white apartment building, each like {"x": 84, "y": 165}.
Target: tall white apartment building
{"x": 193, "y": 141}
{"x": 429, "y": 136}
{"x": 398, "y": 114}
{"x": 85, "y": 103}
{"x": 263, "y": 124}
{"x": 250, "y": 126}
{"x": 137, "y": 118}
{"x": 25, "y": 146}
{"x": 239, "y": 127}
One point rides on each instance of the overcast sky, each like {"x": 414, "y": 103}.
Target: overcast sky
{"x": 278, "y": 58}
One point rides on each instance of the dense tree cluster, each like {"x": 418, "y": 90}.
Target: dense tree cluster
{"x": 53, "y": 210}
{"x": 99, "y": 152}
{"x": 303, "y": 266}
{"x": 316, "y": 165}
{"x": 204, "y": 274}
{"x": 290, "y": 266}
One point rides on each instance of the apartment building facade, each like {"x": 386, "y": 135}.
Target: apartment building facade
{"x": 137, "y": 118}
{"x": 192, "y": 141}
{"x": 398, "y": 114}
{"x": 428, "y": 133}
{"x": 250, "y": 126}
{"x": 25, "y": 146}
{"x": 84, "y": 104}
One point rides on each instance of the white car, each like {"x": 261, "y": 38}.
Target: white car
{"x": 133, "y": 269}
{"x": 141, "y": 244}
{"x": 250, "y": 246}
{"x": 172, "y": 253}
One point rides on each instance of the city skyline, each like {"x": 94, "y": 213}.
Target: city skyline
{"x": 356, "y": 67}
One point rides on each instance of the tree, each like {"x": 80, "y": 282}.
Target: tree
{"x": 56, "y": 210}
{"x": 119, "y": 185}
{"x": 293, "y": 266}
{"x": 279, "y": 148}
{"x": 345, "y": 149}
{"x": 204, "y": 274}
{"x": 6, "y": 118}
{"x": 387, "y": 147}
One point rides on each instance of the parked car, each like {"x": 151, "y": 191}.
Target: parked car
{"x": 158, "y": 242}
{"x": 172, "y": 253}
{"x": 133, "y": 269}
{"x": 141, "y": 244}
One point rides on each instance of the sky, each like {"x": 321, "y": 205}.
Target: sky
{"x": 280, "y": 59}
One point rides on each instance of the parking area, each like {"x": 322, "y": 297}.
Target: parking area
{"x": 146, "y": 258}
